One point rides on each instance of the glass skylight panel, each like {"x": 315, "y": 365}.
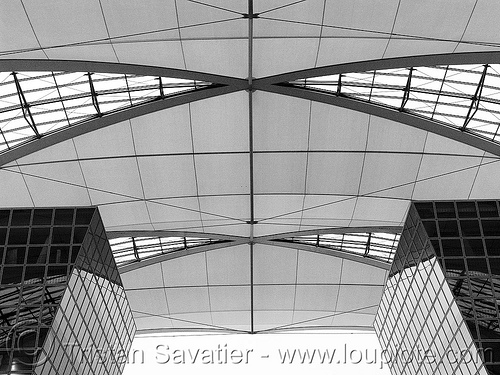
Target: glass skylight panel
{"x": 35, "y": 103}
{"x": 466, "y": 97}
{"x": 380, "y": 246}
{"x": 135, "y": 249}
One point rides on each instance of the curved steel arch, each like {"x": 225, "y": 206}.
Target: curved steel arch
{"x": 220, "y": 85}
{"x": 39, "y": 65}
{"x": 280, "y": 84}
{"x": 387, "y": 113}
{"x": 378, "y": 64}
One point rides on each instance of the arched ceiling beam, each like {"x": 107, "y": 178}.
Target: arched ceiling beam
{"x": 170, "y": 233}
{"x": 37, "y": 65}
{"x": 326, "y": 251}
{"x": 294, "y": 84}
{"x": 379, "y": 64}
{"x": 343, "y": 230}
{"x": 101, "y": 122}
{"x": 179, "y": 253}
{"x": 378, "y": 110}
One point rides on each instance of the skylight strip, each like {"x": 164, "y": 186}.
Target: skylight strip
{"x": 35, "y": 103}
{"x": 380, "y": 246}
{"x": 147, "y": 247}
{"x": 466, "y": 97}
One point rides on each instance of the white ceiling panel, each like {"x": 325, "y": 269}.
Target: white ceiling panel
{"x": 334, "y": 208}
{"x": 359, "y": 298}
{"x": 153, "y": 322}
{"x": 353, "y": 320}
{"x": 197, "y": 13}
{"x": 322, "y": 223}
{"x": 145, "y": 277}
{"x": 228, "y": 227}
{"x": 334, "y": 173}
{"x": 150, "y": 301}
{"x": 58, "y": 152}
{"x": 425, "y": 19}
{"x": 318, "y": 268}
{"x": 301, "y": 13}
{"x": 167, "y": 176}
{"x": 276, "y": 226}
{"x": 285, "y": 206}
{"x": 229, "y": 298}
{"x": 190, "y": 270}
{"x": 230, "y": 206}
{"x": 311, "y": 319}
{"x": 218, "y": 56}
{"x": 125, "y": 215}
{"x": 438, "y": 144}
{"x": 239, "y": 320}
{"x": 96, "y": 52}
{"x": 408, "y": 47}
{"x": 359, "y": 273}
{"x": 279, "y": 173}
{"x": 316, "y": 297}
{"x": 64, "y": 181}
{"x": 201, "y": 320}
{"x": 14, "y": 29}
{"x": 274, "y": 297}
{"x": 482, "y": 25}
{"x": 172, "y": 211}
{"x": 114, "y": 140}
{"x": 69, "y": 21}
{"x": 442, "y": 177}
{"x": 229, "y": 266}
{"x": 132, "y": 17}
{"x": 335, "y": 128}
{"x": 190, "y": 226}
{"x": 335, "y": 50}
{"x": 389, "y": 175}
{"x": 387, "y": 135}
{"x": 274, "y": 265}
{"x": 268, "y": 320}
{"x": 281, "y": 55}
{"x": 112, "y": 180}
{"x": 222, "y": 174}
{"x": 13, "y": 189}
{"x": 280, "y": 123}
{"x": 376, "y": 15}
{"x": 163, "y": 132}
{"x": 379, "y": 211}
{"x": 220, "y": 124}
{"x": 164, "y": 53}
{"x": 188, "y": 300}
{"x": 487, "y": 180}
{"x": 279, "y": 27}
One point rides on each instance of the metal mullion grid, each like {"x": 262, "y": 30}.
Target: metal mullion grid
{"x": 424, "y": 324}
{"x": 399, "y": 275}
{"x": 431, "y": 328}
{"x": 92, "y": 309}
{"x": 98, "y": 287}
{"x": 100, "y": 252}
{"x": 447, "y": 318}
{"x": 63, "y": 327}
{"x": 467, "y": 272}
{"x": 486, "y": 258}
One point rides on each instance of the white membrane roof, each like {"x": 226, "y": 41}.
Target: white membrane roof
{"x": 231, "y": 146}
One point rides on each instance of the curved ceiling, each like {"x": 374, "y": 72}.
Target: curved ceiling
{"x": 249, "y": 159}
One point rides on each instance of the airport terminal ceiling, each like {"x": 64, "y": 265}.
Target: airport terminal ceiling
{"x": 255, "y": 159}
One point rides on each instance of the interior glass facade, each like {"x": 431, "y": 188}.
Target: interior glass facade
{"x": 439, "y": 312}
{"x": 63, "y": 307}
